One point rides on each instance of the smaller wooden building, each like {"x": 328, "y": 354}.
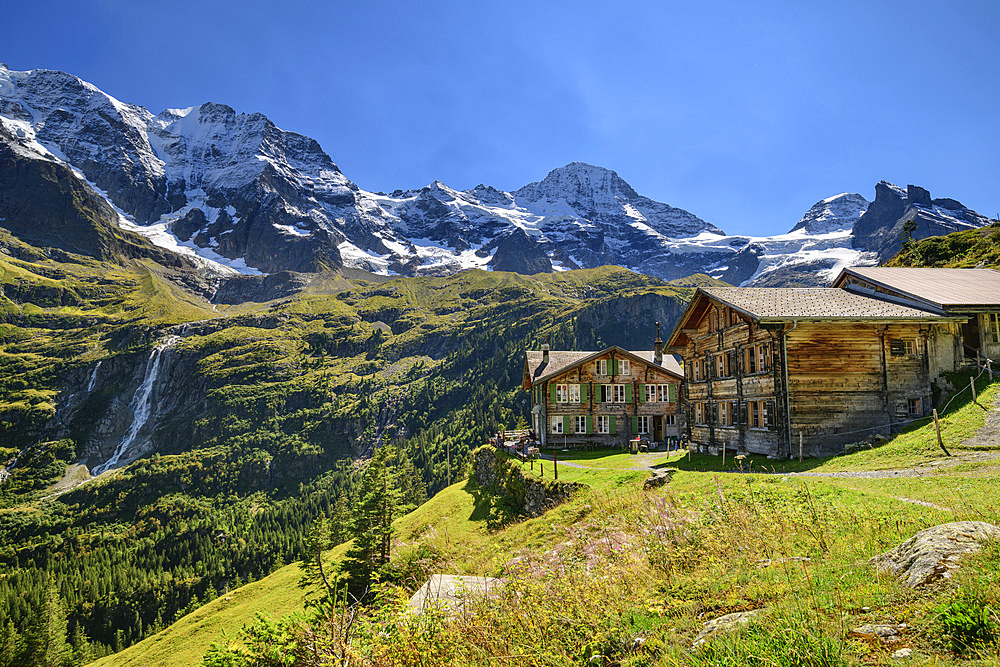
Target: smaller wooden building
{"x": 603, "y": 398}
{"x": 765, "y": 367}
{"x": 973, "y": 294}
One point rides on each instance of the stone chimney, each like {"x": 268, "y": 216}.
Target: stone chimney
{"x": 545, "y": 351}
{"x": 658, "y": 346}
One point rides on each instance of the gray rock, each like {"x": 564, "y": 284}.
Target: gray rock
{"x": 724, "y": 624}
{"x": 453, "y": 591}
{"x": 902, "y": 653}
{"x": 931, "y": 556}
{"x": 520, "y": 253}
{"x": 658, "y": 478}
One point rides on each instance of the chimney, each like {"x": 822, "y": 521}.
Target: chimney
{"x": 545, "y": 351}
{"x": 658, "y": 346}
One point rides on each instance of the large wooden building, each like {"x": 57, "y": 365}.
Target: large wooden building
{"x": 603, "y": 398}
{"x": 973, "y": 294}
{"x": 765, "y": 367}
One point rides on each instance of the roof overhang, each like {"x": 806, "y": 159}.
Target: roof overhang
{"x": 620, "y": 352}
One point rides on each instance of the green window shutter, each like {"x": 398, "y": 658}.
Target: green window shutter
{"x": 590, "y": 424}
{"x": 642, "y": 392}
{"x": 552, "y": 392}
{"x": 611, "y": 425}
{"x": 628, "y": 392}
{"x": 673, "y": 393}
{"x": 566, "y": 420}
{"x": 583, "y": 393}
{"x": 635, "y": 425}
{"x": 614, "y": 367}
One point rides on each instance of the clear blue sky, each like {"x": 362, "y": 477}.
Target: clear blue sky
{"x": 744, "y": 113}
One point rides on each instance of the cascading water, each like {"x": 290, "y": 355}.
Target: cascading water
{"x": 141, "y": 406}
{"x": 93, "y": 378}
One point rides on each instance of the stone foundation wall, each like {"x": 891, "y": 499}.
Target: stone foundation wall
{"x": 506, "y": 477}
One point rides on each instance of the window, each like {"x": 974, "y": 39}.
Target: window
{"x": 699, "y": 413}
{"x": 762, "y": 364}
{"x": 915, "y": 407}
{"x": 580, "y": 424}
{"x": 658, "y": 393}
{"x": 697, "y": 369}
{"x": 562, "y": 393}
{"x": 645, "y": 424}
{"x": 574, "y": 393}
{"x": 602, "y": 366}
{"x": 603, "y": 424}
{"x": 902, "y": 348}
{"x": 670, "y": 420}
{"x": 751, "y": 354}
{"x": 993, "y": 327}
{"x": 623, "y": 367}
{"x": 720, "y": 365}
{"x": 755, "y": 415}
{"x": 557, "y": 424}
{"x": 724, "y": 414}
{"x": 612, "y": 393}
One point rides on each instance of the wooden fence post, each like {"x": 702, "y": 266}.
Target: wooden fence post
{"x": 937, "y": 429}
{"x": 972, "y": 384}
{"x": 800, "y": 446}
{"x": 555, "y": 464}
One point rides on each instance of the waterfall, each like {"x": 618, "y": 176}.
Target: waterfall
{"x": 141, "y": 406}
{"x": 93, "y": 378}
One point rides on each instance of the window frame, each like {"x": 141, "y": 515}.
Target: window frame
{"x": 645, "y": 424}
{"x": 580, "y": 424}
{"x": 562, "y": 393}
{"x": 556, "y": 424}
{"x": 624, "y": 368}
{"x": 573, "y": 387}
{"x": 603, "y": 424}
{"x": 601, "y": 367}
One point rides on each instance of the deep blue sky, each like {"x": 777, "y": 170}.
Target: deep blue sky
{"x": 744, "y": 113}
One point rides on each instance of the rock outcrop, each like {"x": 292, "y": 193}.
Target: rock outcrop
{"x": 882, "y": 227}
{"x": 931, "y": 557}
{"x": 505, "y": 477}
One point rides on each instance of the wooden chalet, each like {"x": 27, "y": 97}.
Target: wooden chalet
{"x": 765, "y": 367}
{"x": 603, "y": 398}
{"x": 973, "y": 294}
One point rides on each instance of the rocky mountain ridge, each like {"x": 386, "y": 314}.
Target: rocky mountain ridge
{"x": 249, "y": 197}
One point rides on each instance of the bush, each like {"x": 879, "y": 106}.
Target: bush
{"x": 968, "y": 623}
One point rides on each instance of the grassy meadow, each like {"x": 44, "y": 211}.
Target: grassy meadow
{"x": 619, "y": 576}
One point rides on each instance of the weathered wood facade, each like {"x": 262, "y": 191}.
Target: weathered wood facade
{"x": 766, "y": 366}
{"x": 973, "y": 294}
{"x": 605, "y": 398}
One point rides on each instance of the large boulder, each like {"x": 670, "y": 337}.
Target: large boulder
{"x": 931, "y": 556}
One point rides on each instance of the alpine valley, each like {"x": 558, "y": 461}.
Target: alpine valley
{"x": 207, "y": 330}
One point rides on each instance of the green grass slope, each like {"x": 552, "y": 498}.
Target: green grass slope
{"x": 979, "y": 248}
{"x": 615, "y": 563}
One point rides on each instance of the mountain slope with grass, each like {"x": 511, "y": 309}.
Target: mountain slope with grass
{"x": 621, "y": 576}
{"x": 221, "y": 431}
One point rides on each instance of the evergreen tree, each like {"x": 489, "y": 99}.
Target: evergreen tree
{"x": 47, "y": 635}
{"x": 377, "y": 506}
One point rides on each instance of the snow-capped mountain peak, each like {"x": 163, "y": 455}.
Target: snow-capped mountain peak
{"x": 235, "y": 188}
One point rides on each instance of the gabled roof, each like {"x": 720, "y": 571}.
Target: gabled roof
{"x": 935, "y": 287}
{"x": 786, "y": 304}
{"x": 561, "y": 361}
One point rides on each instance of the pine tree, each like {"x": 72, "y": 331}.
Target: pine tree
{"x": 377, "y": 506}
{"x": 47, "y": 634}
